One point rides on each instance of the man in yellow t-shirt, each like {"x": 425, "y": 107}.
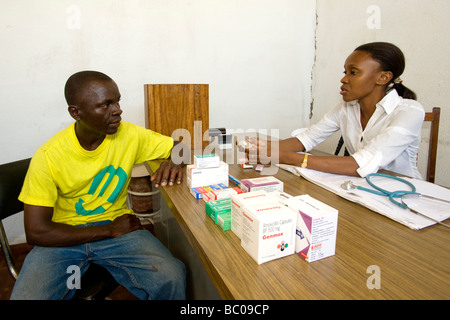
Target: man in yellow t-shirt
{"x": 74, "y": 198}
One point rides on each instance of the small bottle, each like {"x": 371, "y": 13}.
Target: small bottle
{"x": 244, "y": 144}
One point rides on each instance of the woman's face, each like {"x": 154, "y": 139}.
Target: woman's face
{"x": 362, "y": 76}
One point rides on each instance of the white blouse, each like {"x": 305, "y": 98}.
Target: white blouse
{"x": 390, "y": 140}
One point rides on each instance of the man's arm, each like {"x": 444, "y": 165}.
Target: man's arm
{"x": 41, "y": 230}
{"x": 171, "y": 171}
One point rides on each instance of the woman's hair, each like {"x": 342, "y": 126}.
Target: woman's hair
{"x": 390, "y": 58}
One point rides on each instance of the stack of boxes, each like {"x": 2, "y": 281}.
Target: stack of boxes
{"x": 273, "y": 225}
{"x": 207, "y": 170}
{"x": 270, "y": 223}
{"x": 207, "y": 179}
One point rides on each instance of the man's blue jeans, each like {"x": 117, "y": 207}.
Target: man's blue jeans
{"x": 137, "y": 260}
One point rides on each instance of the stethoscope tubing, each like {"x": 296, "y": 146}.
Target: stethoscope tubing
{"x": 390, "y": 194}
{"x": 398, "y": 194}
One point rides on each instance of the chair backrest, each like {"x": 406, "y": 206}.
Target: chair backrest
{"x": 432, "y": 116}
{"x": 12, "y": 176}
{"x": 339, "y": 146}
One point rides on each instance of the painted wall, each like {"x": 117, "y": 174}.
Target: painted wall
{"x": 418, "y": 28}
{"x": 256, "y": 56}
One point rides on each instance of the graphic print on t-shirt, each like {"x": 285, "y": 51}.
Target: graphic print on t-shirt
{"x": 111, "y": 171}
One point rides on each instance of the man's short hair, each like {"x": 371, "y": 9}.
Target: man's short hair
{"x": 79, "y": 81}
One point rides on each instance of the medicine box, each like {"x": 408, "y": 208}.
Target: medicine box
{"x": 214, "y": 208}
{"x": 281, "y": 196}
{"x": 268, "y": 231}
{"x": 214, "y": 188}
{"x": 198, "y": 192}
{"x": 204, "y": 192}
{"x": 207, "y": 190}
{"x": 203, "y": 161}
{"x": 265, "y": 183}
{"x": 196, "y": 177}
{"x": 316, "y": 227}
{"x": 240, "y": 201}
{"x": 224, "y": 221}
{"x": 220, "y": 212}
{"x": 224, "y": 193}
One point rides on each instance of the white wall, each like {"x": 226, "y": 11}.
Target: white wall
{"x": 256, "y": 55}
{"x": 418, "y": 27}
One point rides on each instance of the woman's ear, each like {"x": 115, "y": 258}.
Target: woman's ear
{"x": 74, "y": 112}
{"x": 385, "y": 78}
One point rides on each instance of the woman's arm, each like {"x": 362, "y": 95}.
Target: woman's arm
{"x": 287, "y": 152}
{"x": 330, "y": 164}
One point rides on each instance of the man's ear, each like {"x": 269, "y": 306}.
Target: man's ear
{"x": 74, "y": 112}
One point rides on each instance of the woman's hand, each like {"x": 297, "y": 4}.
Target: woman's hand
{"x": 271, "y": 152}
{"x": 257, "y": 150}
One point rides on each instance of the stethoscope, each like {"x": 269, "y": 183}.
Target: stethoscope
{"x": 393, "y": 195}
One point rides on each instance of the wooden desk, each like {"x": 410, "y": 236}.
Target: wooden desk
{"x": 413, "y": 264}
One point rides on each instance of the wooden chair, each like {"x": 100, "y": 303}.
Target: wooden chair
{"x": 96, "y": 283}
{"x": 433, "y": 117}
{"x": 339, "y": 147}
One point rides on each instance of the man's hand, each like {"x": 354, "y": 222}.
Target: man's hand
{"x": 124, "y": 224}
{"x": 42, "y": 231}
{"x": 168, "y": 173}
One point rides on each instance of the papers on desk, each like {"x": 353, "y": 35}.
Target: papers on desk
{"x": 379, "y": 204}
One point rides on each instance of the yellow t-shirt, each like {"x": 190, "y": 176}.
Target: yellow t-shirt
{"x": 89, "y": 186}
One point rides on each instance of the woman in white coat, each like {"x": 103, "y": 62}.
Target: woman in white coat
{"x": 379, "y": 118}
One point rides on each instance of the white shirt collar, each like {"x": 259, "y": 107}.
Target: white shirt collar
{"x": 388, "y": 103}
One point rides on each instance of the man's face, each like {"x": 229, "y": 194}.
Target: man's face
{"x": 98, "y": 108}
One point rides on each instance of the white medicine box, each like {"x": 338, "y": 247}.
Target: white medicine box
{"x": 268, "y": 231}
{"x": 203, "y": 161}
{"x": 316, "y": 230}
{"x": 196, "y": 177}
{"x": 240, "y": 201}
